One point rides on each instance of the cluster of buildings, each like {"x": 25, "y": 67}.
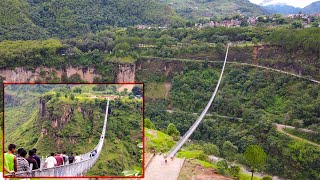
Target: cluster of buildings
{"x": 251, "y": 21}
{"x": 142, "y": 27}
{"x": 228, "y": 23}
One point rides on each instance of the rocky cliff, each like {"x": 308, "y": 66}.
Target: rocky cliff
{"x": 126, "y": 73}
{"x": 42, "y": 74}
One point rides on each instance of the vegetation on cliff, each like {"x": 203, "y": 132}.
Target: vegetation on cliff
{"x": 281, "y": 48}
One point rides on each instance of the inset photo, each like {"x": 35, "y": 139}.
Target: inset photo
{"x": 73, "y": 130}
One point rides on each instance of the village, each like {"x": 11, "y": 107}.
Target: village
{"x": 241, "y": 21}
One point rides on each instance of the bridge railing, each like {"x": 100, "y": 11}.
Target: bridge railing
{"x": 74, "y": 169}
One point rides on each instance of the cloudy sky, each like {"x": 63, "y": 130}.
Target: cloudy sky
{"x": 296, "y": 3}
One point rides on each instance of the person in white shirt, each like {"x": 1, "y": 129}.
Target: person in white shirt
{"x": 77, "y": 158}
{"x": 50, "y": 161}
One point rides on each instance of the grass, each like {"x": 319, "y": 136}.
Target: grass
{"x": 189, "y": 154}
{"x": 206, "y": 164}
{"x": 155, "y": 91}
{"x": 127, "y": 60}
{"x": 243, "y": 176}
{"x": 160, "y": 141}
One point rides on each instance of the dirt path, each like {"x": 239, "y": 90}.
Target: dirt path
{"x": 167, "y": 86}
{"x": 281, "y": 128}
{"x": 159, "y": 170}
{"x": 128, "y": 86}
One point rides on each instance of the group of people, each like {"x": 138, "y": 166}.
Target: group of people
{"x": 21, "y": 163}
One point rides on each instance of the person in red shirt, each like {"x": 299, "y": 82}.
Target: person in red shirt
{"x": 59, "y": 159}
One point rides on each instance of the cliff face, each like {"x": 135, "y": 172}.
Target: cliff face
{"x": 126, "y": 73}
{"x": 42, "y": 74}
{"x": 64, "y": 124}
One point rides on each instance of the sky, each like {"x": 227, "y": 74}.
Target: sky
{"x": 295, "y": 3}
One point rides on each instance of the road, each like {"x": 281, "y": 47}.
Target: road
{"x": 176, "y": 148}
{"x": 281, "y": 128}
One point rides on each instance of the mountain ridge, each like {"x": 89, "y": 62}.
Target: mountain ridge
{"x": 312, "y": 8}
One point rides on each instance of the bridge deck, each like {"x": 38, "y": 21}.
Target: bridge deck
{"x": 159, "y": 170}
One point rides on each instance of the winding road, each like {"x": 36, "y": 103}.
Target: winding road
{"x": 281, "y": 128}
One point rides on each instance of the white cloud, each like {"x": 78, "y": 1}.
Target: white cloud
{"x": 296, "y": 3}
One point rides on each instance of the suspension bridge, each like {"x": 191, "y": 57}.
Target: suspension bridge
{"x": 74, "y": 169}
{"x": 170, "y": 171}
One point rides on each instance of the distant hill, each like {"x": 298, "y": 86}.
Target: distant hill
{"x": 198, "y": 9}
{"x": 34, "y": 19}
{"x": 312, "y": 8}
{"x": 281, "y": 9}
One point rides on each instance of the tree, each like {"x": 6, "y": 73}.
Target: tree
{"x": 72, "y": 96}
{"x": 172, "y": 130}
{"x": 125, "y": 91}
{"x": 122, "y": 49}
{"x": 211, "y": 149}
{"x": 77, "y": 90}
{"x": 255, "y": 157}
{"x": 136, "y": 90}
{"x": 222, "y": 167}
{"x": 297, "y": 25}
{"x": 229, "y": 150}
{"x": 149, "y": 124}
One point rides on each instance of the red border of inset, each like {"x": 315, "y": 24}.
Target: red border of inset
{"x": 143, "y": 133}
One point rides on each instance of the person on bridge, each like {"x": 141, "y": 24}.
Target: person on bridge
{"x": 50, "y": 161}
{"x": 77, "y": 158}
{"x": 23, "y": 167}
{"x": 59, "y": 159}
{"x": 71, "y": 158}
{"x": 93, "y": 153}
{"x": 32, "y": 161}
{"x": 36, "y": 157}
{"x": 65, "y": 157}
{"x": 10, "y": 161}
{"x": 19, "y": 152}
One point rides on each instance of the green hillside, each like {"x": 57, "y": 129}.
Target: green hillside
{"x": 72, "y": 122}
{"x": 15, "y": 22}
{"x": 198, "y": 9}
{"x": 21, "y": 19}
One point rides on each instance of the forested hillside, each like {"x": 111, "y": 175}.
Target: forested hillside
{"x": 198, "y": 9}
{"x": 64, "y": 119}
{"x": 33, "y": 19}
{"x": 15, "y": 22}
